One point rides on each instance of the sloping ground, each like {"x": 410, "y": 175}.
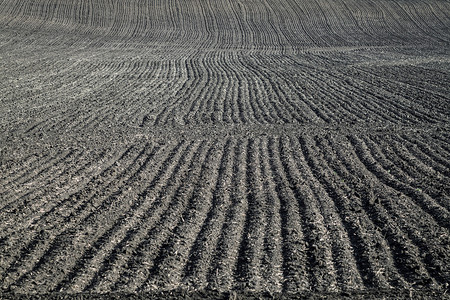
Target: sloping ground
{"x": 224, "y": 149}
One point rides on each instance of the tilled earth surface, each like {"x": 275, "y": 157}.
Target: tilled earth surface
{"x": 224, "y": 149}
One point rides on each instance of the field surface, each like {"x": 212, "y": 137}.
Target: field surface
{"x": 236, "y": 148}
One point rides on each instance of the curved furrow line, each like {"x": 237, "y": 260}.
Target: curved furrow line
{"x": 296, "y": 274}
{"x": 44, "y": 169}
{"x": 20, "y": 13}
{"x": 198, "y": 268}
{"x": 258, "y": 95}
{"x": 420, "y": 77}
{"x": 248, "y": 272}
{"x": 169, "y": 202}
{"x": 162, "y": 87}
{"x": 330, "y": 23}
{"x": 219, "y": 13}
{"x": 347, "y": 275}
{"x": 218, "y": 97}
{"x": 253, "y": 33}
{"x": 24, "y": 168}
{"x": 240, "y": 32}
{"x": 402, "y": 164}
{"x": 241, "y": 76}
{"x": 299, "y": 111}
{"x": 402, "y": 101}
{"x": 216, "y": 100}
{"x": 317, "y": 237}
{"x": 177, "y": 96}
{"x": 274, "y": 240}
{"x": 276, "y": 15}
{"x": 365, "y": 189}
{"x": 345, "y": 23}
{"x": 393, "y": 29}
{"x": 234, "y": 78}
{"x": 332, "y": 89}
{"x": 224, "y": 264}
{"x": 211, "y": 21}
{"x": 414, "y": 159}
{"x": 389, "y": 164}
{"x": 236, "y": 72}
{"x": 39, "y": 191}
{"x": 197, "y": 70}
{"x": 319, "y": 97}
{"x": 319, "y": 112}
{"x": 396, "y": 219}
{"x": 224, "y": 101}
{"x": 425, "y": 154}
{"x": 294, "y": 108}
{"x": 200, "y": 114}
{"x": 379, "y": 105}
{"x": 309, "y": 88}
{"x": 440, "y": 142}
{"x": 267, "y": 19}
{"x": 350, "y": 11}
{"x": 63, "y": 208}
{"x": 349, "y": 101}
{"x": 423, "y": 81}
{"x": 441, "y": 13}
{"x": 295, "y": 79}
{"x": 296, "y": 26}
{"x": 270, "y": 103}
{"x": 171, "y": 113}
{"x": 105, "y": 248}
{"x": 308, "y": 12}
{"x": 174, "y": 255}
{"x": 416, "y": 15}
{"x": 74, "y": 235}
{"x": 230, "y": 113}
{"x": 166, "y": 92}
{"x": 11, "y": 169}
{"x": 61, "y": 217}
{"x": 372, "y": 254}
{"x": 368, "y": 156}
{"x": 237, "y": 104}
{"x": 369, "y": 17}
{"x": 344, "y": 105}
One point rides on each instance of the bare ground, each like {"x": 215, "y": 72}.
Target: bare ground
{"x": 224, "y": 149}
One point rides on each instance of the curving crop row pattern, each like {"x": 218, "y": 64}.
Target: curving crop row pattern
{"x": 270, "y": 146}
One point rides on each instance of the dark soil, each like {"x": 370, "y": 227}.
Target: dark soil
{"x": 224, "y": 149}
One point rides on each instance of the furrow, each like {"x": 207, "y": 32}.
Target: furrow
{"x": 294, "y": 249}
{"x": 347, "y": 275}
{"x": 397, "y": 220}
{"x": 174, "y": 255}
{"x": 224, "y": 264}
{"x": 249, "y": 261}
{"x": 418, "y": 175}
{"x": 202, "y": 253}
{"x": 423, "y": 200}
{"x": 105, "y": 248}
{"x": 166, "y": 213}
{"x": 321, "y": 265}
{"x": 370, "y": 250}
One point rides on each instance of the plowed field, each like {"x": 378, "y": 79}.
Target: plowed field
{"x": 199, "y": 148}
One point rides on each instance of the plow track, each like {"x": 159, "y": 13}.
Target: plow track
{"x": 263, "y": 148}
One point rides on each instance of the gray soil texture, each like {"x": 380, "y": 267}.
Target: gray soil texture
{"x": 229, "y": 149}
